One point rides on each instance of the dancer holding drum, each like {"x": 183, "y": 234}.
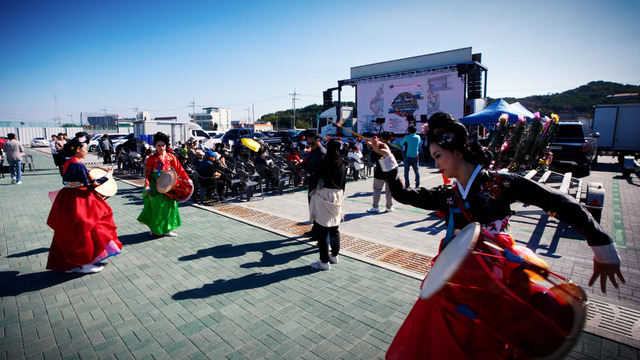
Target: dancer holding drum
{"x": 443, "y": 326}
{"x": 84, "y": 232}
{"x": 160, "y": 212}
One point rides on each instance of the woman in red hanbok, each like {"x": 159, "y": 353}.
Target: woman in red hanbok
{"x": 432, "y": 330}
{"x": 84, "y": 233}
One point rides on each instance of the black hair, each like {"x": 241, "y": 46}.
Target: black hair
{"x": 160, "y": 136}
{"x": 11, "y": 136}
{"x": 87, "y": 137}
{"x": 333, "y": 152}
{"x": 71, "y": 147}
{"x": 450, "y": 134}
{"x": 385, "y": 135}
{"x": 411, "y": 129}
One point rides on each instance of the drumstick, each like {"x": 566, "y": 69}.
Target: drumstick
{"x": 349, "y": 130}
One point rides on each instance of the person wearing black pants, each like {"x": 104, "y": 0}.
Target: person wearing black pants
{"x": 325, "y": 208}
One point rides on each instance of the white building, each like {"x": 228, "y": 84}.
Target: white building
{"x": 213, "y": 118}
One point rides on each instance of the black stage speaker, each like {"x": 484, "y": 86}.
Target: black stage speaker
{"x": 380, "y": 120}
{"x": 423, "y": 118}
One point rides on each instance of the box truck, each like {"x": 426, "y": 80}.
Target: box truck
{"x": 177, "y": 130}
{"x": 619, "y": 128}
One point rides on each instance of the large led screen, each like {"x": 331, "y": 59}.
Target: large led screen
{"x": 395, "y": 100}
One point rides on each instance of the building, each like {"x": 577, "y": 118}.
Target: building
{"x": 213, "y": 119}
{"x": 102, "y": 120}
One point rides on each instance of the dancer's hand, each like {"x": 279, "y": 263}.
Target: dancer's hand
{"x": 605, "y": 271}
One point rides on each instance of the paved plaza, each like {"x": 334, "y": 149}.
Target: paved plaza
{"x": 236, "y": 282}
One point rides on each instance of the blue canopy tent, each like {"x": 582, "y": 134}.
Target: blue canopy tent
{"x": 523, "y": 110}
{"x": 490, "y": 115}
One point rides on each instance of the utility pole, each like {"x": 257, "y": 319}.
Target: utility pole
{"x": 193, "y": 106}
{"x": 57, "y": 118}
{"x": 293, "y": 125}
{"x": 248, "y": 116}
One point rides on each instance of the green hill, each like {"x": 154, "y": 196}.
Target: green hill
{"x": 579, "y": 101}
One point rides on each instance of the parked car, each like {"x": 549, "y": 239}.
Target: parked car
{"x": 39, "y": 141}
{"x": 575, "y": 144}
{"x": 121, "y": 138}
{"x": 213, "y": 141}
{"x": 214, "y": 133}
{"x": 93, "y": 142}
{"x": 286, "y": 135}
{"x": 258, "y": 136}
{"x": 305, "y": 133}
{"x": 232, "y": 136}
{"x": 116, "y": 139}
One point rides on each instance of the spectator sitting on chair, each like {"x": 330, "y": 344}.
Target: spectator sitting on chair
{"x": 121, "y": 157}
{"x": 209, "y": 174}
{"x": 199, "y": 158}
{"x": 259, "y": 161}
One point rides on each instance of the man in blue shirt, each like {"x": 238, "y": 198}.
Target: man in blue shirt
{"x": 412, "y": 143}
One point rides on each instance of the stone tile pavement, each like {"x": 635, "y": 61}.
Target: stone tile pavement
{"x": 238, "y": 288}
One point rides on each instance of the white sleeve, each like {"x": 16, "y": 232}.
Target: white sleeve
{"x": 387, "y": 164}
{"x": 606, "y": 254}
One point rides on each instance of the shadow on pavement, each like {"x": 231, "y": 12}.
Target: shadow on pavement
{"x": 30, "y": 252}
{"x": 268, "y": 259}
{"x": 133, "y": 239}
{"x": 251, "y": 281}
{"x": 133, "y": 195}
{"x": 360, "y": 194}
{"x": 353, "y": 216}
{"x": 12, "y": 283}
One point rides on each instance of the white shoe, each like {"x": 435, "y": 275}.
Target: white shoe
{"x": 19, "y": 182}
{"x": 88, "y": 269}
{"x": 13, "y": 181}
{"x": 74, "y": 270}
{"x": 389, "y": 209}
{"x": 333, "y": 259}
{"x": 319, "y": 265}
{"x": 171, "y": 234}
{"x": 373, "y": 210}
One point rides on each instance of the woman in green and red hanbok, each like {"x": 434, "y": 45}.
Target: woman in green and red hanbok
{"x": 160, "y": 212}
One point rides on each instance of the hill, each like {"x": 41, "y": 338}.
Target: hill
{"x": 305, "y": 117}
{"x": 580, "y": 101}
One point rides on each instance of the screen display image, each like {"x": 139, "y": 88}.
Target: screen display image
{"x": 401, "y": 101}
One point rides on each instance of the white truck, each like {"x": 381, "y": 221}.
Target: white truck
{"x": 177, "y": 130}
{"x": 619, "y": 129}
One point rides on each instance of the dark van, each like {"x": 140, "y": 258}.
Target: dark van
{"x": 234, "y": 135}
{"x": 575, "y": 144}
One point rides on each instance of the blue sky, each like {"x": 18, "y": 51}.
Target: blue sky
{"x": 159, "y": 56}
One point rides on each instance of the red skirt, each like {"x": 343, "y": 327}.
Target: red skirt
{"x": 83, "y": 230}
